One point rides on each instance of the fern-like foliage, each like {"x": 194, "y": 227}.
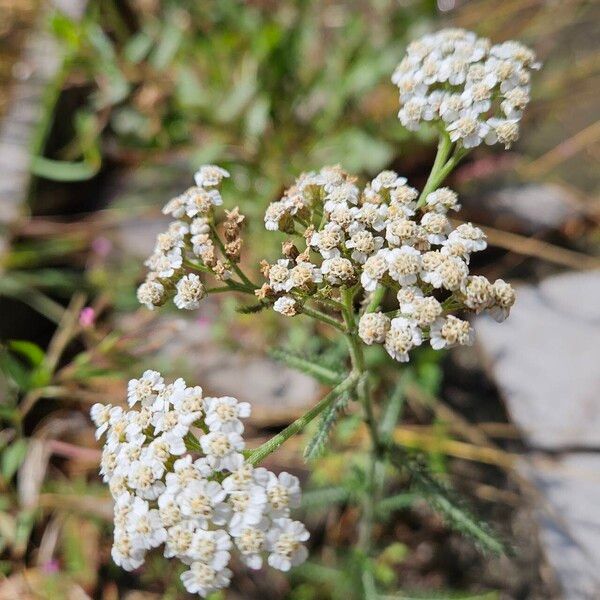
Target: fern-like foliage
{"x": 395, "y": 406}
{"x": 444, "y": 500}
{"x": 316, "y": 445}
{"x": 325, "y": 497}
{"x": 249, "y": 309}
{"x": 396, "y": 502}
{"x": 310, "y": 367}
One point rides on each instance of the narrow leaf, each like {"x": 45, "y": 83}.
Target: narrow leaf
{"x": 60, "y": 170}
{"x": 316, "y": 445}
{"x": 396, "y": 502}
{"x": 12, "y": 458}
{"x": 319, "y": 372}
{"x": 443, "y": 499}
{"x": 32, "y": 352}
{"x": 325, "y": 497}
{"x": 394, "y": 407}
{"x": 248, "y": 309}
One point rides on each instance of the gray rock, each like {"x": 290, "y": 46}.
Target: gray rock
{"x": 545, "y": 360}
{"x": 185, "y": 348}
{"x": 277, "y": 394}
{"x": 528, "y": 209}
{"x": 569, "y": 519}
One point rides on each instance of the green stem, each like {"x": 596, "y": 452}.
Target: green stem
{"x": 446, "y": 170}
{"x": 376, "y": 299}
{"x": 443, "y": 151}
{"x": 369, "y": 588}
{"x": 354, "y": 344}
{"x": 318, "y": 371}
{"x": 320, "y": 300}
{"x": 365, "y": 533}
{"x": 323, "y": 317}
{"x": 357, "y": 357}
{"x": 442, "y": 166}
{"x": 190, "y": 264}
{"x": 299, "y": 424}
{"x": 238, "y": 286}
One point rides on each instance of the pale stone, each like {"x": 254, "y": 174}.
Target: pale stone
{"x": 545, "y": 360}
{"x": 529, "y": 209}
{"x": 185, "y": 348}
{"x": 569, "y": 519}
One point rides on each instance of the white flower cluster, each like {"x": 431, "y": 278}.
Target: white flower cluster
{"x": 189, "y": 242}
{"x": 476, "y": 90}
{"x": 378, "y": 236}
{"x": 200, "y": 503}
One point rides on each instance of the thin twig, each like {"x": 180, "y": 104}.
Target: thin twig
{"x": 565, "y": 150}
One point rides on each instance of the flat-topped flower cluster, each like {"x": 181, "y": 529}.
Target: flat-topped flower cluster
{"x": 475, "y": 90}
{"x": 382, "y": 235}
{"x": 175, "y": 467}
{"x": 378, "y": 236}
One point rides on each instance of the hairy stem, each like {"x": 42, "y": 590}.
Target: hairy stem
{"x": 376, "y": 299}
{"x": 230, "y": 284}
{"x": 323, "y": 317}
{"x": 442, "y": 167}
{"x": 365, "y": 533}
{"x": 443, "y": 151}
{"x": 299, "y": 424}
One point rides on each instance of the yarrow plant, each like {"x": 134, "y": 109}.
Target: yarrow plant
{"x": 381, "y": 264}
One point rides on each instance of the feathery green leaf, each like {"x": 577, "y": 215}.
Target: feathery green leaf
{"x": 316, "y": 445}
{"x": 248, "y": 309}
{"x": 443, "y": 499}
{"x": 396, "y": 502}
{"x": 325, "y": 497}
{"x": 394, "y": 407}
{"x": 300, "y": 363}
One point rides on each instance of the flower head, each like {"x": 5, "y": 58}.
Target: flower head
{"x": 475, "y": 90}
{"x": 200, "y": 508}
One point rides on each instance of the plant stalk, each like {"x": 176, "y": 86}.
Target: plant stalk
{"x": 323, "y": 317}
{"x": 442, "y": 166}
{"x": 299, "y": 424}
{"x": 365, "y": 533}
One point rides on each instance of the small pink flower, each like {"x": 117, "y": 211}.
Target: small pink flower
{"x": 101, "y": 246}
{"x": 51, "y": 566}
{"x": 87, "y": 317}
{"x": 203, "y": 322}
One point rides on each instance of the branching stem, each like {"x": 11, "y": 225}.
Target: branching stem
{"x": 442, "y": 166}
{"x": 376, "y": 299}
{"x": 299, "y": 424}
{"x": 323, "y": 317}
{"x": 364, "y": 396}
